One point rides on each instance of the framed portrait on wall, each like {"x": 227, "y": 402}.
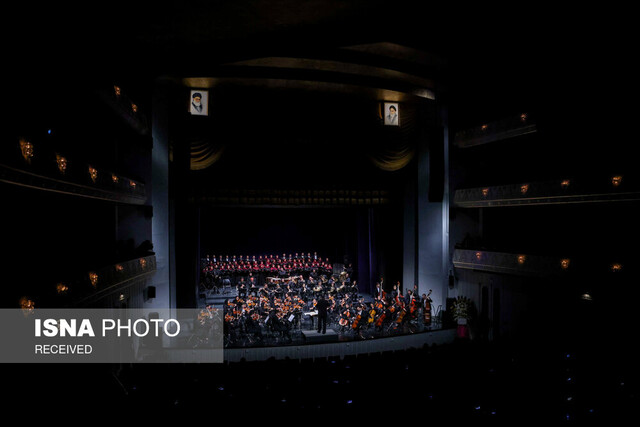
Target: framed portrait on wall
{"x": 391, "y": 114}
{"x": 199, "y": 102}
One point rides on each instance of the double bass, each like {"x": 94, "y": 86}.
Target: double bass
{"x": 427, "y": 309}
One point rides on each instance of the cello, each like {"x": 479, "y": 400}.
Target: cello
{"x": 380, "y": 319}
{"x": 354, "y": 324}
{"x": 372, "y": 315}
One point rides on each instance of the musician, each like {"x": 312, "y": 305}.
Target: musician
{"x": 426, "y": 308}
{"x": 242, "y": 288}
{"x": 378, "y": 293}
{"x": 354, "y": 288}
{"x": 394, "y": 292}
{"x": 322, "y": 306}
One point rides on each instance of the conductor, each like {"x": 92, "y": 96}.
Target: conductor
{"x": 322, "y": 305}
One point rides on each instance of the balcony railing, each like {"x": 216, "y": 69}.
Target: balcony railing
{"x": 510, "y": 127}
{"x": 28, "y": 166}
{"x": 562, "y": 191}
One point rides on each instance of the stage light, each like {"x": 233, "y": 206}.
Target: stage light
{"x": 115, "y": 178}
{"x": 121, "y": 297}
{"x": 523, "y": 117}
{"x": 61, "y": 288}
{"x": 132, "y": 185}
{"x": 586, "y": 297}
{"x": 565, "y": 263}
{"x": 521, "y": 259}
{"x": 143, "y": 263}
{"x": 119, "y": 268}
{"x": 524, "y": 188}
{"x": 616, "y": 267}
{"x": 478, "y": 255}
{"x": 117, "y": 91}
{"x": 134, "y": 107}
{"x": 62, "y": 163}
{"x": 616, "y": 180}
{"x": 484, "y": 127}
{"x": 26, "y": 148}
{"x": 565, "y": 183}
{"x": 93, "y": 277}
{"x": 93, "y": 173}
{"x": 485, "y": 192}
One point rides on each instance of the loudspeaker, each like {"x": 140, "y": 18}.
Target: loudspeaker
{"x": 151, "y": 292}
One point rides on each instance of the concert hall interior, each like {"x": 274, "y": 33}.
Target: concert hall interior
{"x": 475, "y": 251}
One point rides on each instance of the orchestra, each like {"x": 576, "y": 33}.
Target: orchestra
{"x": 280, "y": 305}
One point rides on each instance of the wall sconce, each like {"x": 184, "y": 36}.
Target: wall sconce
{"x": 117, "y": 91}
{"x": 93, "y": 277}
{"x": 93, "y": 173}
{"x": 478, "y": 255}
{"x": 616, "y": 180}
{"x": 27, "y": 150}
{"x": 565, "y": 263}
{"x": 485, "y": 192}
{"x": 616, "y": 267}
{"x": 524, "y": 188}
{"x": 565, "y": 183}
{"x": 26, "y": 305}
{"x": 521, "y": 259}
{"x": 62, "y": 164}
{"x": 61, "y": 288}
{"x": 143, "y": 263}
{"x": 119, "y": 268}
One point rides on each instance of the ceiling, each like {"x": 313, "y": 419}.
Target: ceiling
{"x": 482, "y": 61}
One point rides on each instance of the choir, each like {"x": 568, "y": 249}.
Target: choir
{"x": 218, "y": 271}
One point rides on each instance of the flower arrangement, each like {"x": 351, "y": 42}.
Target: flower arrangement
{"x": 461, "y": 308}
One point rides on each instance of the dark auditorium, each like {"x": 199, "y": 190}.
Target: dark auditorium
{"x": 319, "y": 210}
